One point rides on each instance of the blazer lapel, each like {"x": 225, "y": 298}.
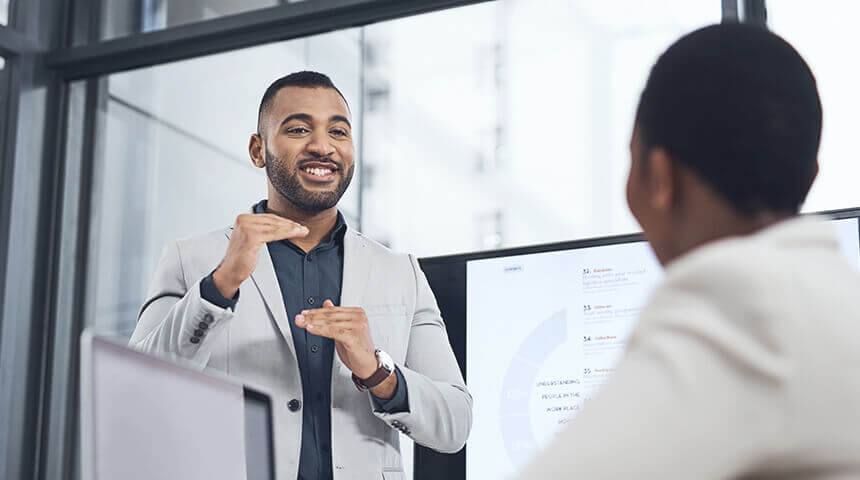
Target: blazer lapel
{"x": 266, "y": 281}
{"x": 356, "y": 268}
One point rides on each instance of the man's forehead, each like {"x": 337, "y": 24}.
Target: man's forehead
{"x": 316, "y": 102}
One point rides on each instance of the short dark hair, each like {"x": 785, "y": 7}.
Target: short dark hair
{"x": 738, "y": 106}
{"x": 305, "y": 79}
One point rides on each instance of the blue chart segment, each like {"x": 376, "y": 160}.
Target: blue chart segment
{"x": 520, "y": 379}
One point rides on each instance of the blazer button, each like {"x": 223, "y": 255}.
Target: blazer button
{"x": 208, "y": 318}
{"x": 294, "y": 405}
{"x": 195, "y": 339}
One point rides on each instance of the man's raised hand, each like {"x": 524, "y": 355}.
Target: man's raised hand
{"x": 251, "y": 232}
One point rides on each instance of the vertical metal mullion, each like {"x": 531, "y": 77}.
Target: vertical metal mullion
{"x": 730, "y": 11}
{"x": 8, "y": 138}
{"x": 11, "y": 84}
{"x": 16, "y": 306}
{"x": 70, "y": 307}
{"x": 51, "y": 206}
{"x": 755, "y": 12}
{"x": 50, "y": 237}
{"x": 69, "y": 229}
{"x": 362, "y": 170}
{"x": 11, "y": 14}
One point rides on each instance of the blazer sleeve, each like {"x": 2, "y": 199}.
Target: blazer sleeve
{"x": 440, "y": 406}
{"x": 699, "y": 394}
{"x": 174, "y": 314}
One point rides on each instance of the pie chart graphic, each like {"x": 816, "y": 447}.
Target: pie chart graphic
{"x": 520, "y": 377}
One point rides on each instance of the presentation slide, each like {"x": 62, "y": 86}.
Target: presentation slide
{"x": 848, "y": 234}
{"x": 543, "y": 334}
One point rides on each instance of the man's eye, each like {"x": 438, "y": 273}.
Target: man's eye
{"x": 297, "y": 130}
{"x": 339, "y": 133}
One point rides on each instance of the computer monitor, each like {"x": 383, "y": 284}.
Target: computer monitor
{"x": 537, "y": 332}
{"x": 144, "y": 417}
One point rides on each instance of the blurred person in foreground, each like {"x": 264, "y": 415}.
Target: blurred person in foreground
{"x": 744, "y": 361}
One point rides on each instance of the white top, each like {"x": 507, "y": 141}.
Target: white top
{"x": 745, "y": 364}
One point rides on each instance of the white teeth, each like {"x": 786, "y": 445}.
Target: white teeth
{"x": 319, "y": 172}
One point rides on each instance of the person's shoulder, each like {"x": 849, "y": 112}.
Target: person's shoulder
{"x": 726, "y": 262}
{"x": 746, "y": 280}
{"x": 762, "y": 259}
{"x": 718, "y": 283}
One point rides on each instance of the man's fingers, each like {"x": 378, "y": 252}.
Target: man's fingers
{"x": 283, "y": 232}
{"x": 274, "y": 232}
{"x": 269, "y": 228}
{"x": 332, "y": 314}
{"x": 338, "y": 318}
{"x": 343, "y": 321}
{"x": 323, "y": 329}
{"x": 329, "y": 307}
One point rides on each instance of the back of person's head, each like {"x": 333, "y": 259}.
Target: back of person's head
{"x": 738, "y": 106}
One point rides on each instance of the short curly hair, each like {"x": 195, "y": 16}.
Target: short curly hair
{"x": 738, "y": 106}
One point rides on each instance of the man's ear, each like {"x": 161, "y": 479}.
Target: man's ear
{"x": 662, "y": 185}
{"x": 256, "y": 150}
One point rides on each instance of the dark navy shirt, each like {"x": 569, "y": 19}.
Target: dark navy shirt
{"x": 306, "y": 281}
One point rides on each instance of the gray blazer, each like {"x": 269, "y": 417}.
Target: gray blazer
{"x": 254, "y": 344}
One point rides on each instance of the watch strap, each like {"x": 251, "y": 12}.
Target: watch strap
{"x": 378, "y": 377}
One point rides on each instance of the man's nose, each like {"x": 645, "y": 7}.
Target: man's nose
{"x": 319, "y": 145}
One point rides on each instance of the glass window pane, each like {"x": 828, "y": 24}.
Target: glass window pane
{"x": 822, "y": 42}
{"x": 512, "y": 127}
{"x": 126, "y": 17}
{"x": 4, "y": 12}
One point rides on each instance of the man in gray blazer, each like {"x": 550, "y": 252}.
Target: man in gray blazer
{"x": 345, "y": 332}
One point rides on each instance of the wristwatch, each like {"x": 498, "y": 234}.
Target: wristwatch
{"x": 386, "y": 368}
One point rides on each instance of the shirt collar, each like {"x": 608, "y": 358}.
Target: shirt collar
{"x": 334, "y": 238}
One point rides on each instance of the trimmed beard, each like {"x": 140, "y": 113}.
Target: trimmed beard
{"x": 287, "y": 184}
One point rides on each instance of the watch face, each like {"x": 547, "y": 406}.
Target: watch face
{"x": 385, "y": 360}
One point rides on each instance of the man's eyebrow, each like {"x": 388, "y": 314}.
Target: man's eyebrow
{"x": 297, "y": 116}
{"x": 307, "y": 118}
{"x": 340, "y": 118}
